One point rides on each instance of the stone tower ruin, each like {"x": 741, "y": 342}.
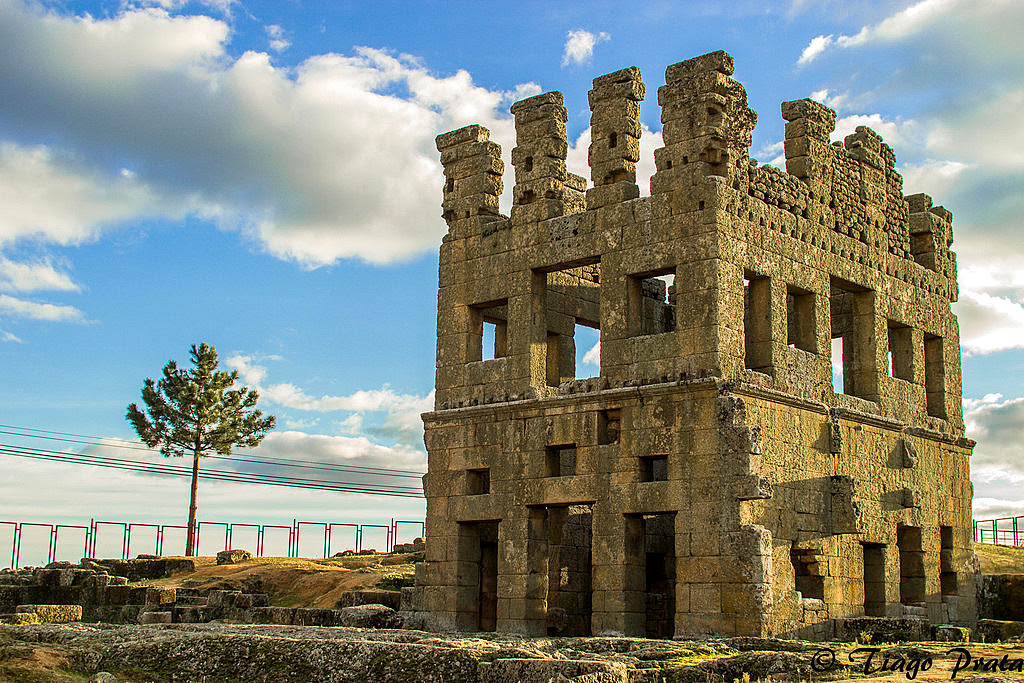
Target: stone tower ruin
{"x": 710, "y": 479}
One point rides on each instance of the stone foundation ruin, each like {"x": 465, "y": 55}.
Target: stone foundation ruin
{"x": 710, "y": 480}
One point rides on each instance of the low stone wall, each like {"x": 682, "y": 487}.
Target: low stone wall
{"x": 96, "y": 596}
{"x": 1001, "y": 596}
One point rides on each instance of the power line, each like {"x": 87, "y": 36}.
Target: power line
{"x": 248, "y": 457}
{"x": 220, "y": 475}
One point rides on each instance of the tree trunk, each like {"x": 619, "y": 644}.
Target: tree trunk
{"x": 191, "y": 542}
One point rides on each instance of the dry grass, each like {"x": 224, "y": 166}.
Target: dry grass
{"x": 1000, "y": 559}
{"x": 291, "y": 581}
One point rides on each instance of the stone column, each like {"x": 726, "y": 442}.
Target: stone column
{"x": 544, "y": 189}
{"x": 614, "y": 137}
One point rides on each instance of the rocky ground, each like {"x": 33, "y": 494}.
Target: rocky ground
{"x": 233, "y": 652}
{"x": 219, "y": 652}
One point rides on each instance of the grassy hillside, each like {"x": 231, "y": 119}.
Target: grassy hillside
{"x": 1000, "y": 559}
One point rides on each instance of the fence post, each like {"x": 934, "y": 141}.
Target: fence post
{"x": 17, "y": 545}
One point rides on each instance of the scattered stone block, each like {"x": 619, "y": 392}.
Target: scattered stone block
{"x": 368, "y": 616}
{"x": 233, "y": 556}
{"x": 951, "y": 634}
{"x": 52, "y": 614}
{"x": 156, "y": 596}
{"x": 155, "y": 618}
{"x": 271, "y": 615}
{"x": 998, "y": 630}
{"x": 390, "y": 599}
{"x": 882, "y": 629}
{"x": 311, "y": 616}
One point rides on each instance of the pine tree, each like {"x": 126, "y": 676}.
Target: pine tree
{"x": 198, "y": 411}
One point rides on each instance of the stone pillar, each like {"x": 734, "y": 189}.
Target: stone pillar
{"x": 865, "y": 145}
{"x": 544, "y": 189}
{"x": 706, "y": 124}
{"x": 809, "y": 153}
{"x": 614, "y": 137}
{"x": 472, "y": 172}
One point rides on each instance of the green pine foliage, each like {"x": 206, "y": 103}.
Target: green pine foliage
{"x": 199, "y": 410}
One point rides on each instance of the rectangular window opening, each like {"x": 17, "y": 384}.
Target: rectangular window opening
{"x": 609, "y": 426}
{"x": 934, "y": 376}
{"x": 587, "y": 343}
{"x": 488, "y": 330}
{"x": 874, "y": 579}
{"x": 560, "y": 461}
{"x": 837, "y": 365}
{"x": 650, "y": 579}
{"x": 912, "y": 579}
{"x": 652, "y": 302}
{"x": 808, "y": 572}
{"x": 572, "y": 303}
{"x": 478, "y": 481}
{"x": 900, "y": 351}
{"x": 476, "y": 598}
{"x": 757, "y": 322}
{"x": 947, "y": 574}
{"x": 566, "y": 540}
{"x": 851, "y": 312}
{"x": 800, "y": 319}
{"x": 654, "y": 468}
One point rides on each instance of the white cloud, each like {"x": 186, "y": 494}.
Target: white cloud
{"x": 825, "y": 96}
{"x": 997, "y": 466}
{"x": 897, "y": 132}
{"x": 994, "y": 508}
{"x": 340, "y": 450}
{"x": 579, "y": 46}
{"x": 996, "y": 425}
{"x": 223, "y": 7}
{"x": 22, "y": 308}
{"x": 31, "y": 277}
{"x": 994, "y": 24}
{"x": 935, "y": 178}
{"x": 401, "y": 422}
{"x": 904, "y": 23}
{"x": 26, "y": 487}
{"x": 6, "y": 336}
{"x": 775, "y": 154}
{"x": 983, "y": 132}
{"x": 333, "y": 158}
{"x": 593, "y": 356}
{"x": 53, "y": 199}
{"x": 352, "y": 424}
{"x": 814, "y": 48}
{"x": 989, "y": 323}
{"x": 276, "y": 38}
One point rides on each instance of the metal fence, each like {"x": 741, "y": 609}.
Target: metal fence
{"x": 63, "y": 541}
{"x": 1001, "y": 531}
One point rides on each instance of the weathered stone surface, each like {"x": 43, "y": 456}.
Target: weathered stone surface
{"x": 368, "y": 616}
{"x": 390, "y": 599}
{"x": 951, "y": 634}
{"x": 881, "y": 629}
{"x": 997, "y": 630}
{"x": 155, "y": 618}
{"x": 1001, "y": 596}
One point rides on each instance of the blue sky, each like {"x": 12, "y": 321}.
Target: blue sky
{"x": 262, "y": 176}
